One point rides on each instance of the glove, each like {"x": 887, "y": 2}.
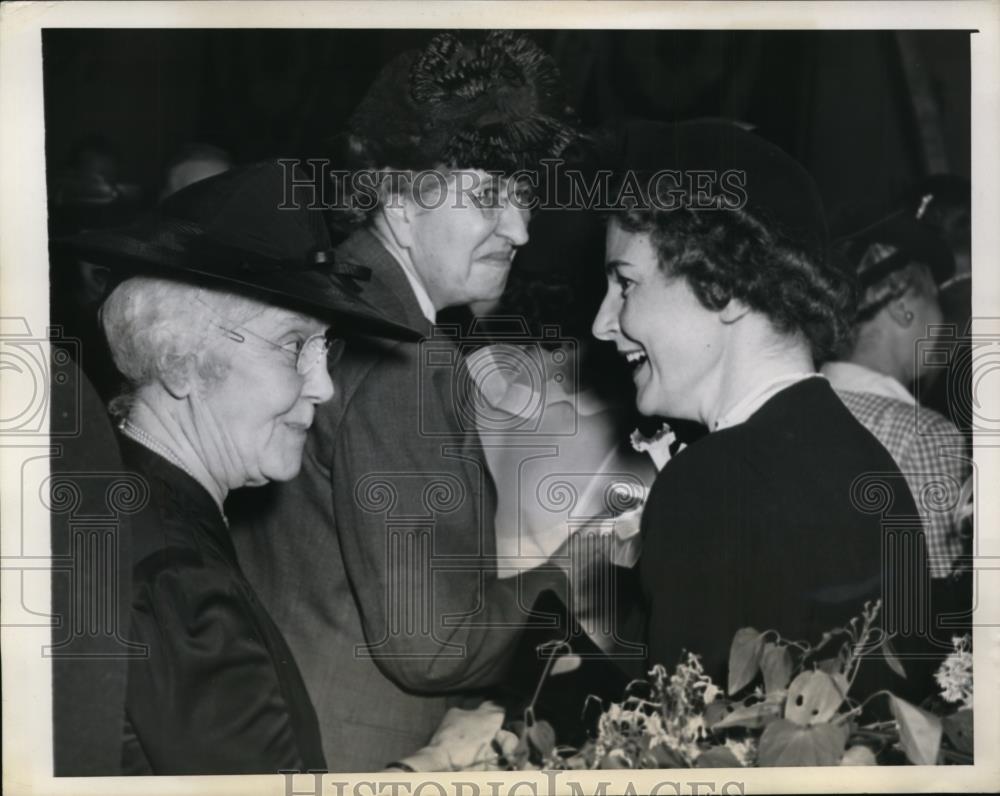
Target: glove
{"x": 463, "y": 741}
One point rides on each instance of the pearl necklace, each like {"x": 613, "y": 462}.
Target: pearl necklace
{"x": 147, "y": 440}
{"x": 130, "y": 429}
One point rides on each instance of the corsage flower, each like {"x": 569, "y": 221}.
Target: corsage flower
{"x": 657, "y": 446}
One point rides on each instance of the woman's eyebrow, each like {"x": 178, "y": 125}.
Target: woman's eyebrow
{"x": 299, "y": 324}
{"x": 612, "y": 266}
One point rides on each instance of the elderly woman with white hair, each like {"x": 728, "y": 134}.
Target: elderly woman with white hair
{"x": 221, "y": 329}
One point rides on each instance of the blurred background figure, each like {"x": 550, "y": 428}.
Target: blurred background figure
{"x": 576, "y": 467}
{"x": 899, "y": 264}
{"x": 93, "y": 190}
{"x": 942, "y": 202}
{"x": 88, "y": 191}
{"x": 193, "y": 163}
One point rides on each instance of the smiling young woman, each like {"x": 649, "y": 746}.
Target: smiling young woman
{"x": 675, "y": 345}
{"x": 722, "y": 315}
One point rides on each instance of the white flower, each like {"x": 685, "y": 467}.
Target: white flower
{"x": 744, "y": 751}
{"x": 657, "y": 446}
{"x": 955, "y": 674}
{"x": 695, "y": 727}
{"x": 655, "y": 730}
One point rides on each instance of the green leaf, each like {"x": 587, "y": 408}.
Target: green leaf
{"x": 859, "y": 756}
{"x": 813, "y": 697}
{"x": 892, "y": 660}
{"x": 616, "y": 758}
{"x": 566, "y": 663}
{"x": 785, "y": 743}
{"x": 717, "y": 757}
{"x": 717, "y": 711}
{"x": 831, "y": 665}
{"x": 754, "y": 716}
{"x": 744, "y": 658}
{"x": 661, "y": 756}
{"x": 776, "y": 664}
{"x": 577, "y": 762}
{"x": 958, "y": 728}
{"x": 542, "y": 737}
{"x": 919, "y": 732}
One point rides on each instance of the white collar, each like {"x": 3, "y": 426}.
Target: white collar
{"x": 756, "y": 399}
{"x": 416, "y": 283}
{"x": 423, "y": 297}
{"x": 852, "y": 377}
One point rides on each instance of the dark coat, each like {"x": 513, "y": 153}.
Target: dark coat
{"x": 377, "y": 560}
{"x": 789, "y": 521}
{"x": 219, "y": 692}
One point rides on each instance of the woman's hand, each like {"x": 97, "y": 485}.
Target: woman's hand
{"x": 463, "y": 741}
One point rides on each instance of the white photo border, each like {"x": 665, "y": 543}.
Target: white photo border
{"x": 27, "y": 701}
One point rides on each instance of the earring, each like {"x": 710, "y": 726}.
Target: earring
{"x": 908, "y": 316}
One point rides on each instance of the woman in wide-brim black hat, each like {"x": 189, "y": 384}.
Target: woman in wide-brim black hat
{"x": 221, "y": 325}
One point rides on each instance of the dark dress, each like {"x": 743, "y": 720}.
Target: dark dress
{"x": 774, "y": 524}
{"x": 219, "y": 692}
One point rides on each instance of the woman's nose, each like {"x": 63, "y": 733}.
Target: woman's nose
{"x": 318, "y": 386}
{"x": 605, "y": 326}
{"x": 513, "y": 224}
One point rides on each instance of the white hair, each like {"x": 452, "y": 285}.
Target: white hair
{"x": 156, "y": 327}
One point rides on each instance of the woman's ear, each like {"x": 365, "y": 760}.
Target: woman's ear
{"x": 177, "y": 375}
{"x": 395, "y": 219}
{"x": 901, "y": 312}
{"x": 733, "y": 311}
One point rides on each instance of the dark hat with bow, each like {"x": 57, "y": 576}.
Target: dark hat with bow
{"x": 892, "y": 243}
{"x": 722, "y": 166}
{"x": 242, "y": 231}
{"x": 488, "y": 100}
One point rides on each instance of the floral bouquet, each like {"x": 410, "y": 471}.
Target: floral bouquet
{"x": 781, "y": 707}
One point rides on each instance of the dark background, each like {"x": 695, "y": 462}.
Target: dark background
{"x": 868, "y": 112}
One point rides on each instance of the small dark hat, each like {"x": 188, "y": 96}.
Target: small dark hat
{"x": 891, "y": 243}
{"x": 240, "y": 231}
{"x": 749, "y": 172}
{"x": 492, "y": 101}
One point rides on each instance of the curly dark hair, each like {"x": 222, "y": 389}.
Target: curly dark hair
{"x": 731, "y": 254}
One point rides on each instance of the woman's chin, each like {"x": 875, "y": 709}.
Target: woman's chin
{"x": 286, "y": 466}
{"x": 285, "y": 472}
{"x": 647, "y": 404}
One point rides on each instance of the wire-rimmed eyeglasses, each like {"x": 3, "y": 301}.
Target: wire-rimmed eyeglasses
{"x": 307, "y": 353}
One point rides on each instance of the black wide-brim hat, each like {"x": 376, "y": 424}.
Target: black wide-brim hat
{"x": 246, "y": 231}
{"x": 769, "y": 183}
